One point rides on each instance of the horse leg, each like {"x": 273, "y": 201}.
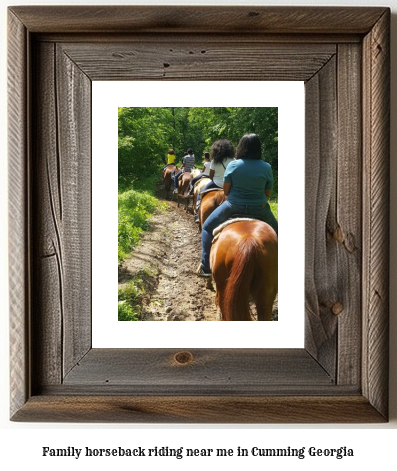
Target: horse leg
{"x": 220, "y": 281}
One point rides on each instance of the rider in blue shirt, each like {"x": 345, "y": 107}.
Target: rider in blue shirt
{"x": 248, "y": 183}
{"x": 249, "y": 180}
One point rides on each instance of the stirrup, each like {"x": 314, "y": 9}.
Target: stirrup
{"x": 200, "y": 272}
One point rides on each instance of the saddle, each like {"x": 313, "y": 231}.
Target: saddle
{"x": 181, "y": 175}
{"x": 217, "y": 231}
{"x": 209, "y": 190}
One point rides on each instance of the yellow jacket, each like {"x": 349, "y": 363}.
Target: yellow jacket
{"x": 171, "y": 158}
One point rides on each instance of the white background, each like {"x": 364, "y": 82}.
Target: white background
{"x": 288, "y": 332}
{"x": 20, "y": 444}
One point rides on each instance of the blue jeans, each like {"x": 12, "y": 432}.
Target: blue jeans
{"x": 226, "y": 211}
{"x": 176, "y": 178}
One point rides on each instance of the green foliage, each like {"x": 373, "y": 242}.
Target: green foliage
{"x": 274, "y": 208}
{"x": 129, "y": 308}
{"x": 134, "y": 211}
{"x": 132, "y": 291}
{"x": 146, "y": 134}
{"x": 126, "y": 313}
{"x": 146, "y": 184}
{"x": 261, "y": 121}
{"x": 232, "y": 123}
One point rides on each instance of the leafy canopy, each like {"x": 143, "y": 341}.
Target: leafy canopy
{"x": 146, "y": 134}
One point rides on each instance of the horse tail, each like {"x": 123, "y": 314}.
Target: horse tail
{"x": 236, "y": 298}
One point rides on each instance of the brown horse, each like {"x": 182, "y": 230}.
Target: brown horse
{"x": 167, "y": 178}
{"x": 210, "y": 200}
{"x": 184, "y": 186}
{"x": 244, "y": 263}
{"x": 197, "y": 188}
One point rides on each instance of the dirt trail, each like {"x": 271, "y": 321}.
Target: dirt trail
{"x": 166, "y": 261}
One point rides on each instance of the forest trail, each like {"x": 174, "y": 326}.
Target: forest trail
{"x": 166, "y": 260}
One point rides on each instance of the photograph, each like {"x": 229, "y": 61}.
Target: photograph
{"x": 197, "y": 214}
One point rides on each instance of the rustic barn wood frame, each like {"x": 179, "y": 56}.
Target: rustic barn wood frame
{"x": 342, "y": 54}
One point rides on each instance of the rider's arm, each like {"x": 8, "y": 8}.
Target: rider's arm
{"x": 268, "y": 193}
{"x": 226, "y": 187}
{"x": 212, "y": 173}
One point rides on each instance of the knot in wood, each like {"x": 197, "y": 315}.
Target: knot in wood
{"x": 337, "y": 308}
{"x": 338, "y": 235}
{"x": 183, "y": 358}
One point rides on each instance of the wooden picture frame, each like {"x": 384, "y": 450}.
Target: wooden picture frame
{"x": 342, "y": 54}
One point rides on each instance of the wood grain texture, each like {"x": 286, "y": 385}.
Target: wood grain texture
{"x": 46, "y": 206}
{"x": 199, "y": 19}
{"x": 342, "y": 374}
{"x": 183, "y": 59}
{"x": 376, "y": 93}
{"x": 199, "y": 409}
{"x": 320, "y": 263}
{"x": 215, "y": 37}
{"x": 62, "y": 206}
{"x": 346, "y": 227}
{"x": 205, "y": 369}
{"x": 19, "y": 226}
{"x": 73, "y": 90}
